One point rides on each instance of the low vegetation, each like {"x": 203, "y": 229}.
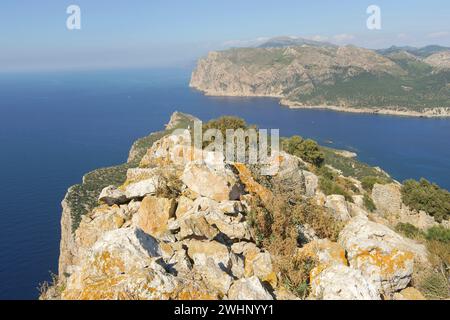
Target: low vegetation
{"x": 434, "y": 284}
{"x": 426, "y": 196}
{"x": 306, "y": 149}
{"x": 275, "y": 226}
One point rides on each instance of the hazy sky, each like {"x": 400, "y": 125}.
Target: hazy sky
{"x": 124, "y": 33}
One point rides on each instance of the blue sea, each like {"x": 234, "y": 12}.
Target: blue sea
{"x": 54, "y": 127}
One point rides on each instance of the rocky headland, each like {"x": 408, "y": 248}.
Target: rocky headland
{"x": 311, "y": 75}
{"x": 163, "y": 226}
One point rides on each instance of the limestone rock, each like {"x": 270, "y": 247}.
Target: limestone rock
{"x": 338, "y": 207}
{"x": 195, "y": 225}
{"x": 184, "y": 205}
{"x": 111, "y": 195}
{"x": 199, "y": 251}
{"x": 232, "y": 227}
{"x": 340, "y": 282}
{"x": 311, "y": 183}
{"x": 409, "y": 294}
{"x": 154, "y": 214}
{"x": 248, "y": 289}
{"x": 140, "y": 189}
{"x": 325, "y": 254}
{"x": 383, "y": 256}
{"x": 214, "y": 184}
{"x": 92, "y": 227}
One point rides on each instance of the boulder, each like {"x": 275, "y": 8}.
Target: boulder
{"x": 388, "y": 200}
{"x": 311, "y": 183}
{"x": 218, "y": 185}
{"x": 324, "y": 253}
{"x": 409, "y": 294}
{"x": 340, "y": 282}
{"x": 199, "y": 251}
{"x": 184, "y": 205}
{"x": 232, "y": 227}
{"x": 111, "y": 195}
{"x": 121, "y": 265}
{"x": 248, "y": 289}
{"x": 383, "y": 256}
{"x": 195, "y": 225}
{"x": 140, "y": 189}
{"x": 154, "y": 214}
{"x": 214, "y": 276}
{"x": 93, "y": 226}
{"x": 338, "y": 207}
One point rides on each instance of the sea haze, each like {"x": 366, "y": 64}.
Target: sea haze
{"x": 54, "y": 127}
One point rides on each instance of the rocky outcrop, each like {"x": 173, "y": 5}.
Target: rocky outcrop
{"x": 388, "y": 201}
{"x": 191, "y": 236}
{"x": 383, "y": 256}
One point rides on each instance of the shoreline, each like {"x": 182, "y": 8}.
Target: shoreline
{"x": 429, "y": 113}
{"x": 441, "y": 112}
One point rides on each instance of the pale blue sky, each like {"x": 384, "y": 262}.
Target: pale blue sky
{"x": 134, "y": 33}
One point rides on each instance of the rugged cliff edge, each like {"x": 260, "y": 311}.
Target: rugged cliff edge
{"x": 347, "y": 79}
{"x": 163, "y": 226}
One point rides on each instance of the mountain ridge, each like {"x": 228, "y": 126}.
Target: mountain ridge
{"x": 344, "y": 78}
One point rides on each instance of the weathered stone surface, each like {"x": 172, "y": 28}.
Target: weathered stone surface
{"x": 340, "y": 282}
{"x": 92, "y": 227}
{"x": 325, "y": 254}
{"x": 217, "y": 185}
{"x": 338, "y": 207}
{"x": 121, "y": 261}
{"x": 111, "y": 195}
{"x": 383, "y": 256}
{"x": 174, "y": 149}
{"x": 199, "y": 251}
{"x": 409, "y": 294}
{"x": 232, "y": 227}
{"x": 215, "y": 276}
{"x": 248, "y": 289}
{"x": 140, "y": 189}
{"x": 154, "y": 214}
{"x": 311, "y": 183}
{"x": 184, "y": 205}
{"x": 195, "y": 225}
{"x": 388, "y": 200}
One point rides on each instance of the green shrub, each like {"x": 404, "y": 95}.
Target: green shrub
{"x": 434, "y": 286}
{"x": 307, "y": 149}
{"x": 438, "y": 233}
{"x": 423, "y": 195}
{"x": 408, "y": 230}
{"x": 330, "y": 187}
{"x": 369, "y": 181}
{"x": 368, "y": 203}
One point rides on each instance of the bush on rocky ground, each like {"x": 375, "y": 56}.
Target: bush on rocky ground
{"x": 426, "y": 196}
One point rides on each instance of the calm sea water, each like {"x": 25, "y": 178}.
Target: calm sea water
{"x": 55, "y": 127}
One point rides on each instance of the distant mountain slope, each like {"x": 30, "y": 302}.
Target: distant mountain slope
{"x": 396, "y": 80}
{"x": 281, "y": 42}
{"x": 419, "y": 52}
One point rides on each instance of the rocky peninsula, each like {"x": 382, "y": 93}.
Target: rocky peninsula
{"x": 163, "y": 226}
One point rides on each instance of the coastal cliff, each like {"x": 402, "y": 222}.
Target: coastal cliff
{"x": 163, "y": 226}
{"x": 347, "y": 79}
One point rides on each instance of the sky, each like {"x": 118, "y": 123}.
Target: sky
{"x": 162, "y": 33}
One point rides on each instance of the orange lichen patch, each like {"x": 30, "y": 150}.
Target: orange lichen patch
{"x": 386, "y": 262}
{"x": 107, "y": 264}
{"x": 250, "y": 256}
{"x": 325, "y": 253}
{"x": 251, "y": 185}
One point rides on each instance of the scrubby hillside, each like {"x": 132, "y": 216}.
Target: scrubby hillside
{"x": 395, "y": 81}
{"x": 325, "y": 226}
